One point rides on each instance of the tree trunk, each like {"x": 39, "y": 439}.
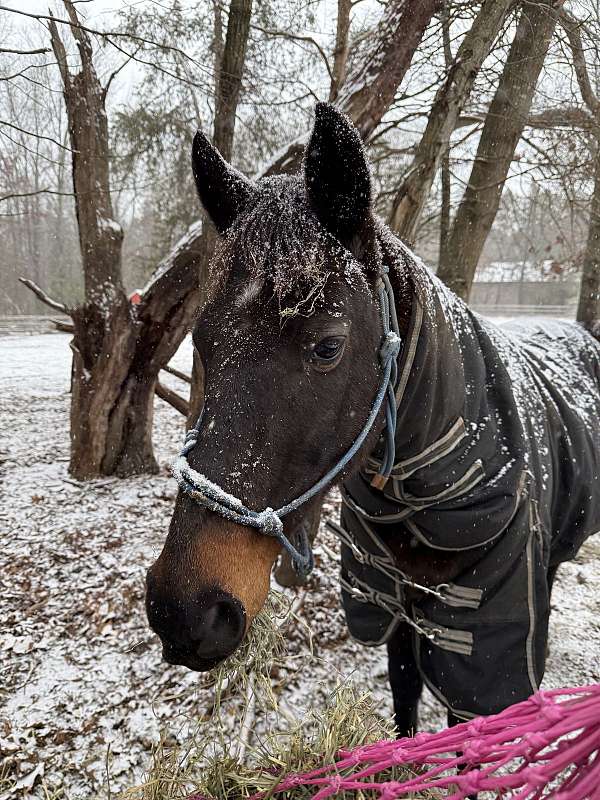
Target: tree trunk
{"x": 445, "y": 174}
{"x": 588, "y": 309}
{"x": 229, "y": 84}
{"x": 230, "y": 75}
{"x": 113, "y": 377}
{"x": 504, "y": 124}
{"x": 443, "y": 118}
{"x": 340, "y": 53}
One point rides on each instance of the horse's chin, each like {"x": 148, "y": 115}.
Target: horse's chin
{"x": 195, "y": 663}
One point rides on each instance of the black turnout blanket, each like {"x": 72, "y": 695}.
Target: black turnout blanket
{"x": 497, "y": 448}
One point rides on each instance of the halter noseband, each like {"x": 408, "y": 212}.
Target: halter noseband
{"x": 212, "y": 497}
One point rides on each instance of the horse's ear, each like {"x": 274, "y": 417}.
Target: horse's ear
{"x": 338, "y": 182}
{"x": 224, "y": 192}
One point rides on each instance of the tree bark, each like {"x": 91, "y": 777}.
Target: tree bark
{"x": 588, "y": 309}
{"x": 340, "y": 53}
{"x": 230, "y": 75}
{"x": 504, "y": 124}
{"x": 449, "y": 102}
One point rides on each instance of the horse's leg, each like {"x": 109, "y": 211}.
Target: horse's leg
{"x": 551, "y": 575}
{"x": 453, "y": 719}
{"x": 405, "y": 680}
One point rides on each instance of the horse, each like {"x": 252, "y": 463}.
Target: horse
{"x": 467, "y": 455}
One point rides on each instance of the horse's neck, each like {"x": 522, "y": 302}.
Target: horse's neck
{"x": 399, "y": 276}
{"x": 421, "y": 563}
{"x": 403, "y": 297}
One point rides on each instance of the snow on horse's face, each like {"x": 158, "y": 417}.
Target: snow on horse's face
{"x": 289, "y": 341}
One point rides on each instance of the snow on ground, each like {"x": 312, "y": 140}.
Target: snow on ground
{"x": 82, "y": 684}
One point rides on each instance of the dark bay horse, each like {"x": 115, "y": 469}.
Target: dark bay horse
{"x": 468, "y": 457}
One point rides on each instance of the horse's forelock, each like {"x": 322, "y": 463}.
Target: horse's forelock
{"x": 277, "y": 248}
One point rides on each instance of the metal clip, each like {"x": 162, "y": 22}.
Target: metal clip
{"x": 360, "y": 595}
{"x": 427, "y": 589}
{"x": 431, "y": 633}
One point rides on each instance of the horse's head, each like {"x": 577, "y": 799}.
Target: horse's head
{"x": 289, "y": 341}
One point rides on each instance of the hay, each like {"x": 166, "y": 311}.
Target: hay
{"x": 221, "y": 761}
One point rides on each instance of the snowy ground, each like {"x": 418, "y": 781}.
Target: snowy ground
{"x": 80, "y": 670}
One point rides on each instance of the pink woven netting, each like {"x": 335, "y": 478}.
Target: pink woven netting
{"x": 546, "y": 746}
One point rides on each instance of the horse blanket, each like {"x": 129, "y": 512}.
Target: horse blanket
{"x": 498, "y": 450}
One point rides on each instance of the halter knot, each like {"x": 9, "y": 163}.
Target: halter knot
{"x": 269, "y": 523}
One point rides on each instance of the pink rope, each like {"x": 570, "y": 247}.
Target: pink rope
{"x": 546, "y": 746}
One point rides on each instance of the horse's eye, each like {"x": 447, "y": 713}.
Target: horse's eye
{"x": 327, "y": 350}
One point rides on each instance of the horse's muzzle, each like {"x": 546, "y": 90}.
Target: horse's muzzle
{"x": 197, "y": 632}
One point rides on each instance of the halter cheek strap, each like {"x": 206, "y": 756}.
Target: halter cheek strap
{"x": 268, "y": 522}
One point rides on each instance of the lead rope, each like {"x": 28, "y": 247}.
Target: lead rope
{"x": 268, "y": 522}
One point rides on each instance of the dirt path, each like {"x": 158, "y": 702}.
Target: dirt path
{"x": 80, "y": 670}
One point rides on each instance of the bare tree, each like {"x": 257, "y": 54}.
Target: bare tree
{"x": 103, "y": 342}
{"x": 228, "y": 86}
{"x": 372, "y": 85}
{"x": 588, "y": 309}
{"x": 504, "y": 125}
{"x": 443, "y": 118}
{"x": 119, "y": 349}
{"x": 340, "y": 53}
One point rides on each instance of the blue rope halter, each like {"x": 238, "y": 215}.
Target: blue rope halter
{"x": 268, "y": 522}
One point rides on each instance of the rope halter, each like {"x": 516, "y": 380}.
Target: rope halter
{"x": 269, "y": 522}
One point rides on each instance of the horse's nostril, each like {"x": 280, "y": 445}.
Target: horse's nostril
{"x": 219, "y": 626}
{"x": 200, "y": 631}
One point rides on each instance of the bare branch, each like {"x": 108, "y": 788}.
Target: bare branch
{"x": 41, "y": 295}
{"x": 63, "y": 327}
{"x": 36, "y": 135}
{"x": 39, "y": 50}
{"x": 172, "y": 398}
{"x": 572, "y": 27}
{"x": 181, "y": 375}
{"x": 32, "y": 194}
{"x": 294, "y": 37}
{"x": 109, "y": 36}
{"x": 566, "y": 117}
{"x": 59, "y": 52}
{"x": 115, "y": 72}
